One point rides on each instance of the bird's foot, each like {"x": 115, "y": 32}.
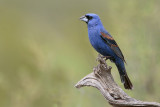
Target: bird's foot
{"x": 107, "y": 57}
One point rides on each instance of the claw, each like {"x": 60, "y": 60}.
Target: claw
{"x": 107, "y": 57}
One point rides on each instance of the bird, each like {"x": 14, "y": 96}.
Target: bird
{"x": 105, "y": 44}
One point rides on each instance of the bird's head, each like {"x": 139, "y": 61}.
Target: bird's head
{"x": 91, "y": 19}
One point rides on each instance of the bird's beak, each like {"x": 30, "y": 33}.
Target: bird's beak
{"x": 84, "y": 18}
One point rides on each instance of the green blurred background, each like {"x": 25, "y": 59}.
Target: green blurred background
{"x": 45, "y": 51}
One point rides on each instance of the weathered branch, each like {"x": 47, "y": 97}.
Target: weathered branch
{"x": 102, "y": 79}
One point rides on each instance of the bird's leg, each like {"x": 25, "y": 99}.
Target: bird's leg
{"x": 107, "y": 57}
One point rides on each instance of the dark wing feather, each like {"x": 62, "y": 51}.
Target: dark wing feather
{"x": 112, "y": 43}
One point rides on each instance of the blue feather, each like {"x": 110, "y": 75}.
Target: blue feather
{"x": 104, "y": 43}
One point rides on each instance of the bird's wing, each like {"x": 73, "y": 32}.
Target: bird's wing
{"x": 112, "y": 43}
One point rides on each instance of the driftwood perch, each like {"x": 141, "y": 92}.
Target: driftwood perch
{"x": 101, "y": 78}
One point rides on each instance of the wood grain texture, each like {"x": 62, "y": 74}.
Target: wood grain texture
{"x": 102, "y": 79}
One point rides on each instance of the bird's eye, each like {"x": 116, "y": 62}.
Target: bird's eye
{"x": 89, "y": 17}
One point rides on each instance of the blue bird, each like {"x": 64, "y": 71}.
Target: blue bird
{"x": 104, "y": 43}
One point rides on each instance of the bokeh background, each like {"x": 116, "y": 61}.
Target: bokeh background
{"x": 45, "y": 51}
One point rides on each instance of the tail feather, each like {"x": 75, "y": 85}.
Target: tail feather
{"x": 123, "y": 74}
{"x": 126, "y": 81}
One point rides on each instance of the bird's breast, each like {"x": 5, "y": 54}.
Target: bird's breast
{"x": 99, "y": 44}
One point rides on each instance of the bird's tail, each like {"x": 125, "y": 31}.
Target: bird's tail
{"x": 123, "y": 75}
{"x": 127, "y": 83}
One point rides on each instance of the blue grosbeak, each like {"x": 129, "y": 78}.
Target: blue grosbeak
{"x": 104, "y": 43}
